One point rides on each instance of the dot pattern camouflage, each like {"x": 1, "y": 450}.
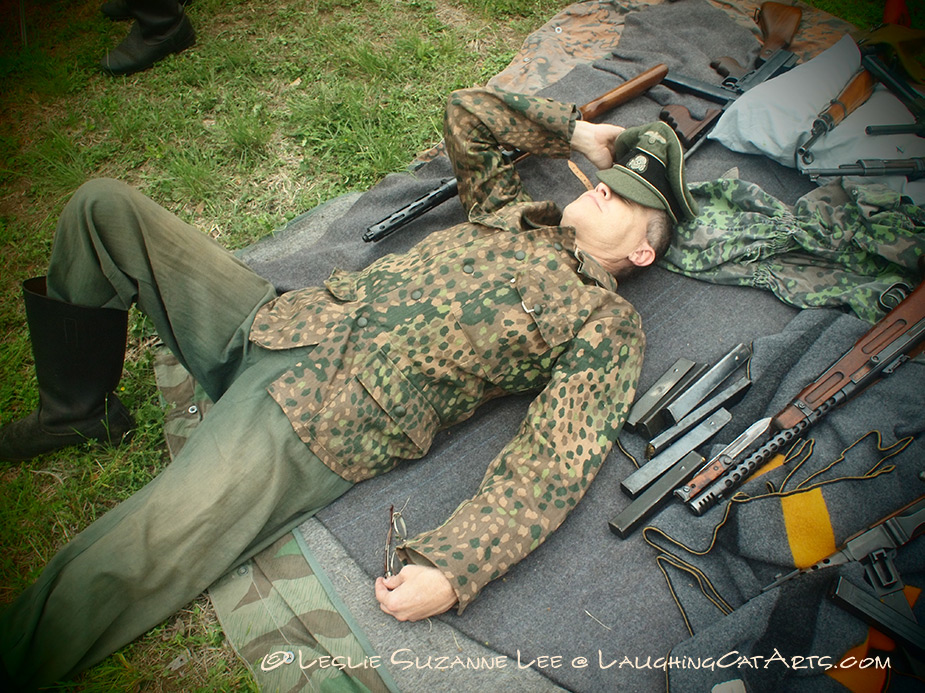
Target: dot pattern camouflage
{"x": 840, "y": 245}
{"x": 503, "y": 304}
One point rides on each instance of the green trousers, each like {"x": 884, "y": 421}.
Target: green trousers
{"x": 243, "y": 479}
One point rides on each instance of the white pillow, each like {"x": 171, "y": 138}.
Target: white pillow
{"x": 776, "y": 117}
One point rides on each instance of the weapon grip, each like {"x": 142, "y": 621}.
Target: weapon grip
{"x": 729, "y": 67}
{"x": 858, "y": 362}
{"x": 688, "y": 128}
{"x": 778, "y": 24}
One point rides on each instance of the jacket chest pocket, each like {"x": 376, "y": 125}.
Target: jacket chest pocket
{"x": 516, "y": 331}
{"x": 375, "y": 420}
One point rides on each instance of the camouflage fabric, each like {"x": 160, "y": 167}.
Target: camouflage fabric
{"x": 818, "y": 29}
{"x": 587, "y": 31}
{"x": 503, "y": 304}
{"x": 840, "y": 245}
{"x": 278, "y": 609}
{"x": 581, "y": 33}
{"x": 291, "y": 629}
{"x": 185, "y": 402}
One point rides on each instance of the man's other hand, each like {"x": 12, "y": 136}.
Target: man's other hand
{"x": 596, "y": 141}
{"x": 415, "y": 593}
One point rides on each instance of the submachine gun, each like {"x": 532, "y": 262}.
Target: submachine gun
{"x": 856, "y": 92}
{"x": 449, "y": 188}
{"x": 778, "y": 24}
{"x": 875, "y": 548}
{"x": 896, "y": 338}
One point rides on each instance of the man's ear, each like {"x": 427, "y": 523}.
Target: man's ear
{"x": 643, "y": 256}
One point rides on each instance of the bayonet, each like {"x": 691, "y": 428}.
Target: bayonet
{"x": 724, "y": 459}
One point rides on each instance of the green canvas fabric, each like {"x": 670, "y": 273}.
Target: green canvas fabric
{"x": 278, "y": 610}
{"x": 286, "y": 622}
{"x": 841, "y": 245}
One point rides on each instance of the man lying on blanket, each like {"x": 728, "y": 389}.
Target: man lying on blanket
{"x": 323, "y": 387}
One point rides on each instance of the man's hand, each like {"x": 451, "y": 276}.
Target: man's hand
{"x": 596, "y": 141}
{"x": 415, "y": 593}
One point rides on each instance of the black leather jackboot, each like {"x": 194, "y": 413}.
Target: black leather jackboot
{"x": 79, "y": 352}
{"x": 161, "y": 27}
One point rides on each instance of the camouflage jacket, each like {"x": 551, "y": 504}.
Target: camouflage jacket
{"x": 841, "y": 245}
{"x": 502, "y": 304}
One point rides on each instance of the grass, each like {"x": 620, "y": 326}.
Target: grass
{"x": 279, "y": 107}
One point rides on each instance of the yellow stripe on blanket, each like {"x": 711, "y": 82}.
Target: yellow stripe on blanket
{"x": 809, "y": 528}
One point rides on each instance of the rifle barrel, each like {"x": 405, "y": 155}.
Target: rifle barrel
{"x": 912, "y": 169}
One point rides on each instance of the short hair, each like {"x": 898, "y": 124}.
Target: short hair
{"x": 659, "y": 234}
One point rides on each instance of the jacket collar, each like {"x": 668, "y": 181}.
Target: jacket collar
{"x": 591, "y": 268}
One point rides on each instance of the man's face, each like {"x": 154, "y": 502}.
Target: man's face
{"x": 610, "y": 229}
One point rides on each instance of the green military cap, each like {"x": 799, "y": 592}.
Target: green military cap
{"x": 649, "y": 170}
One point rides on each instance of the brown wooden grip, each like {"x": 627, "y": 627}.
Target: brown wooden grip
{"x": 856, "y": 363}
{"x": 778, "y": 24}
{"x": 729, "y": 67}
{"x": 625, "y": 92}
{"x": 855, "y": 93}
{"x": 688, "y": 128}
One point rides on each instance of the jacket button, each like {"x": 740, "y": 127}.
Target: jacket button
{"x": 520, "y": 255}
{"x": 468, "y": 269}
{"x": 416, "y": 294}
{"x": 538, "y": 309}
{"x": 399, "y": 411}
{"x": 557, "y": 245}
{"x": 362, "y": 322}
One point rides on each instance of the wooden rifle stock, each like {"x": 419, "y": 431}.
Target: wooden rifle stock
{"x": 855, "y": 93}
{"x": 895, "y": 338}
{"x": 590, "y": 111}
{"x": 627, "y": 91}
{"x": 778, "y": 24}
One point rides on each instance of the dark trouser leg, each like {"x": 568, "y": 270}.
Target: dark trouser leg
{"x": 115, "y": 247}
{"x": 241, "y": 481}
{"x": 156, "y": 18}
